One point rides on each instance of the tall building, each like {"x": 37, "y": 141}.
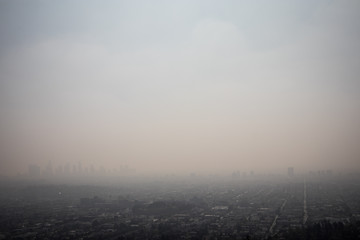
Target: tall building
{"x": 291, "y": 172}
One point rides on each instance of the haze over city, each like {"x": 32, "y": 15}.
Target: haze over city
{"x": 177, "y": 87}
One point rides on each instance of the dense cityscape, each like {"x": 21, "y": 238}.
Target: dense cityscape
{"x": 237, "y": 206}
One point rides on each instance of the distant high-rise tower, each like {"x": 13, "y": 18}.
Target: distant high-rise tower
{"x": 291, "y": 172}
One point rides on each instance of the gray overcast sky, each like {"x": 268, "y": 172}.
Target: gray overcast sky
{"x": 180, "y": 86}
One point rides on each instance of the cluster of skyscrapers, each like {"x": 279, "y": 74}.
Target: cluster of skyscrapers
{"x": 35, "y": 171}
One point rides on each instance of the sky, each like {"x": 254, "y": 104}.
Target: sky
{"x": 180, "y": 86}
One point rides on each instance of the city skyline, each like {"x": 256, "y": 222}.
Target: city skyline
{"x": 78, "y": 170}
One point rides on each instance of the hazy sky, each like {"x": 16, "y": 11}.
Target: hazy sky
{"x": 180, "y": 86}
